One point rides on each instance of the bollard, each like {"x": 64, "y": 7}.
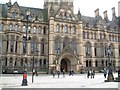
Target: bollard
{"x": 24, "y": 81}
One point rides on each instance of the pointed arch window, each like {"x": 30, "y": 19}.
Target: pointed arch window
{"x": 11, "y": 27}
{"x": 39, "y": 29}
{"x": 57, "y": 46}
{"x": 16, "y": 27}
{"x": 40, "y": 62}
{"x": 24, "y": 28}
{"x": 66, "y": 29}
{"x": 74, "y": 46}
{"x": 74, "y": 30}
{"x": 33, "y": 46}
{"x": 34, "y": 30}
{"x": 44, "y": 63}
{"x": 43, "y": 46}
{"x": 57, "y": 28}
{"x": 12, "y": 44}
{"x": 66, "y": 42}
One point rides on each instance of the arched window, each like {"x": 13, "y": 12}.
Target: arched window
{"x": 6, "y": 61}
{"x": 24, "y": 28}
{"x": 42, "y": 46}
{"x": 57, "y": 28}
{"x": 44, "y": 63}
{"x": 11, "y": 27}
{"x": 44, "y": 31}
{"x": 16, "y": 27}
{"x": 87, "y": 63}
{"x": 39, "y": 29}
{"x": 95, "y": 50}
{"x": 88, "y": 49}
{"x": 57, "y": 46}
{"x": 102, "y": 63}
{"x": 66, "y": 29}
{"x": 11, "y": 62}
{"x": 96, "y": 63}
{"x": 12, "y": 44}
{"x": 74, "y": 46}
{"x": 66, "y": 42}
{"x": 33, "y": 46}
{"x": 90, "y": 63}
{"x": 34, "y": 30}
{"x": 7, "y": 46}
{"x": 16, "y": 44}
{"x": 40, "y": 62}
{"x": 21, "y": 63}
{"x": 74, "y": 30}
{"x": 91, "y": 35}
{"x": 29, "y": 29}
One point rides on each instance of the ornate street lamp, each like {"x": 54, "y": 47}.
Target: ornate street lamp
{"x": 24, "y": 81}
{"x": 110, "y": 77}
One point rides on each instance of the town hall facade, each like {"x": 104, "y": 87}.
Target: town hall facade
{"x": 56, "y": 38}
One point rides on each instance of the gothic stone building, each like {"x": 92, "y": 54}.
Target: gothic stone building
{"x": 55, "y": 37}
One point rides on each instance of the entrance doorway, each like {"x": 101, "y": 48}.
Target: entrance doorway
{"x": 65, "y": 64}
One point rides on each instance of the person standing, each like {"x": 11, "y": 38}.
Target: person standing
{"x": 93, "y": 73}
{"x": 58, "y": 72}
{"x": 53, "y": 73}
{"x": 88, "y": 74}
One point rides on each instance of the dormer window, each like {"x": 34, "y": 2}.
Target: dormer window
{"x": 15, "y": 14}
{"x": 70, "y": 17}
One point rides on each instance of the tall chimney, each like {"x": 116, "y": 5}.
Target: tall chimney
{"x": 105, "y": 14}
{"x": 118, "y": 8}
{"x": 97, "y": 12}
{"x": 113, "y": 11}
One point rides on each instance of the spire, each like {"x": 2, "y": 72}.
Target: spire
{"x": 79, "y": 14}
{"x": 51, "y": 10}
{"x": 9, "y": 3}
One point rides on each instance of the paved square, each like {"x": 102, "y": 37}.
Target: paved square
{"x": 47, "y": 81}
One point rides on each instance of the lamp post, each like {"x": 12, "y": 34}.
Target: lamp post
{"x": 24, "y": 81}
{"x": 33, "y": 70}
{"x": 110, "y": 77}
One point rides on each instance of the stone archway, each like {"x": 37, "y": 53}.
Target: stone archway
{"x": 65, "y": 64}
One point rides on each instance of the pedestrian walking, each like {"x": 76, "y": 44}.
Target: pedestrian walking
{"x": 53, "y": 73}
{"x": 88, "y": 74}
{"x": 63, "y": 73}
{"x": 58, "y": 72}
{"x": 70, "y": 72}
{"x": 105, "y": 72}
{"x": 36, "y": 72}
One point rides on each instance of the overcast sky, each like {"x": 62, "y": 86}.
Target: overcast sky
{"x": 87, "y": 7}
